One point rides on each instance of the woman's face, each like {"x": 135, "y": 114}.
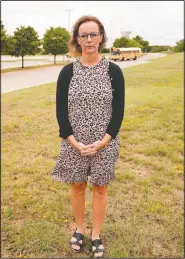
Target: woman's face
{"x": 89, "y": 43}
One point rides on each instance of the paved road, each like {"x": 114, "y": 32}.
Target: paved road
{"x": 12, "y": 81}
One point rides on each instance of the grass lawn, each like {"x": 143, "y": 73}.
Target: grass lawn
{"x": 144, "y": 216}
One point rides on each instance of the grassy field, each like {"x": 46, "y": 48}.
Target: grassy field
{"x": 144, "y": 216}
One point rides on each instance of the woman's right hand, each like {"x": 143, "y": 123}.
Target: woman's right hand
{"x": 81, "y": 147}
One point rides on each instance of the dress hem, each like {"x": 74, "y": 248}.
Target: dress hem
{"x": 56, "y": 178}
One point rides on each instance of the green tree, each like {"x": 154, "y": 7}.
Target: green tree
{"x": 55, "y": 41}
{"x": 4, "y": 37}
{"x": 133, "y": 43}
{"x": 158, "y": 48}
{"x": 179, "y": 46}
{"x": 105, "y": 50}
{"x": 25, "y": 41}
{"x": 124, "y": 42}
{"x": 142, "y": 42}
{"x": 9, "y": 45}
{"x": 120, "y": 42}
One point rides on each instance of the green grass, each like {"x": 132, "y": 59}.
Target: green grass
{"x": 144, "y": 216}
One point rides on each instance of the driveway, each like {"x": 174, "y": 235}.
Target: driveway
{"x": 12, "y": 81}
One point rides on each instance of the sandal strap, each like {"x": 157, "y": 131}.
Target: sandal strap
{"x": 78, "y": 236}
{"x": 98, "y": 250}
{"x": 96, "y": 242}
{"x": 76, "y": 243}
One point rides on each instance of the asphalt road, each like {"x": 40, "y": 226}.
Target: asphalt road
{"x": 12, "y": 81}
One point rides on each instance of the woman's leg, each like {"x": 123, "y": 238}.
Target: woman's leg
{"x": 78, "y": 206}
{"x": 100, "y": 194}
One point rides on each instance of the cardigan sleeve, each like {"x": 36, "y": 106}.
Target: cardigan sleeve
{"x": 63, "y": 81}
{"x": 118, "y": 102}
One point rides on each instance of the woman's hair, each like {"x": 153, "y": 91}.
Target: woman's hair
{"x": 74, "y": 47}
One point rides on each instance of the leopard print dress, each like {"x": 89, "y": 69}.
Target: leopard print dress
{"x": 89, "y": 109}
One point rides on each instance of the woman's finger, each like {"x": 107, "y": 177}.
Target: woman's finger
{"x": 89, "y": 153}
{"x": 90, "y": 146}
{"x": 88, "y": 150}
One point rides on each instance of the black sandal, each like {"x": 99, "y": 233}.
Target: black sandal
{"x": 78, "y": 237}
{"x": 95, "y": 247}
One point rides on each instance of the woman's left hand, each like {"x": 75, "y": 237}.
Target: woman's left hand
{"x": 97, "y": 145}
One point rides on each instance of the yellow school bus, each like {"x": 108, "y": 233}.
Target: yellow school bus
{"x": 125, "y": 53}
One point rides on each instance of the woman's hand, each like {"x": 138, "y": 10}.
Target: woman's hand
{"x": 92, "y": 149}
{"x": 85, "y": 150}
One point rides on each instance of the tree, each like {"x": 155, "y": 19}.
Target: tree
{"x": 55, "y": 41}
{"x": 120, "y": 42}
{"x": 124, "y": 42}
{"x": 158, "y": 48}
{"x": 105, "y": 50}
{"x": 179, "y": 46}
{"x": 9, "y": 45}
{"x": 142, "y": 42}
{"x": 25, "y": 41}
{"x": 133, "y": 43}
{"x": 3, "y": 39}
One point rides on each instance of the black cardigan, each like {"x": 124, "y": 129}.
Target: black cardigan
{"x": 118, "y": 101}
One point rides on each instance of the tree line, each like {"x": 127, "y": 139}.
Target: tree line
{"x": 26, "y": 41}
{"x": 138, "y": 41}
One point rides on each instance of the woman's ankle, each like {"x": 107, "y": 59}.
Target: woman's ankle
{"x": 80, "y": 229}
{"x": 95, "y": 235}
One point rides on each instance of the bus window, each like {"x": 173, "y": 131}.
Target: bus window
{"x": 116, "y": 53}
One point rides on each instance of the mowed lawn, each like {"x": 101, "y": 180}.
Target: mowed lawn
{"x": 144, "y": 216}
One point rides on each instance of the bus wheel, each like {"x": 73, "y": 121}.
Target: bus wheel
{"x": 135, "y": 58}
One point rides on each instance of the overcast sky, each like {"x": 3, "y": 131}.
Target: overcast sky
{"x": 160, "y": 22}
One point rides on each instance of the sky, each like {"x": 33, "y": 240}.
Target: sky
{"x": 159, "y": 22}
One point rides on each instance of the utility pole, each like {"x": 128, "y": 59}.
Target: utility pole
{"x": 110, "y": 35}
{"x": 69, "y": 10}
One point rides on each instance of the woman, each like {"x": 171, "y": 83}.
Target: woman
{"x": 90, "y": 108}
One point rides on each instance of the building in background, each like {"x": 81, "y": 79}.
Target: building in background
{"x": 125, "y": 34}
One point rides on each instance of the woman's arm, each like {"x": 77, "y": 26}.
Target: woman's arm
{"x": 118, "y": 102}
{"x": 63, "y": 81}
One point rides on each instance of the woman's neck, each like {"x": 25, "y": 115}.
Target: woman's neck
{"x": 91, "y": 59}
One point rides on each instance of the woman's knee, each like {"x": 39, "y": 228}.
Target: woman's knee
{"x": 100, "y": 190}
{"x": 78, "y": 187}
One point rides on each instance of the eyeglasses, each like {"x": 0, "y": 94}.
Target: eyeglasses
{"x": 93, "y": 35}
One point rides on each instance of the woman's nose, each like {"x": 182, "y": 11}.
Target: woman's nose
{"x": 89, "y": 38}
